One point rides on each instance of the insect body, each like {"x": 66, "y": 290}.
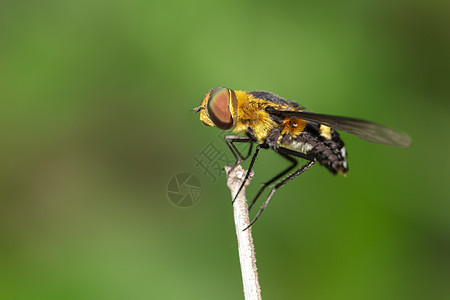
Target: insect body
{"x": 275, "y": 123}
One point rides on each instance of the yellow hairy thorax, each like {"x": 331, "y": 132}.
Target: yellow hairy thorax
{"x": 251, "y": 114}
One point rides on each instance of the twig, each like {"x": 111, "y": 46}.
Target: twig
{"x": 252, "y": 289}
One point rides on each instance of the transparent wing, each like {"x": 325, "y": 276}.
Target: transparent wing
{"x": 365, "y": 130}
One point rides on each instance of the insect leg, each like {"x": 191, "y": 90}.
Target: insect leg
{"x": 282, "y": 173}
{"x": 280, "y": 184}
{"x": 230, "y": 140}
{"x": 250, "y": 149}
{"x": 250, "y": 168}
{"x": 295, "y": 153}
{"x": 287, "y": 153}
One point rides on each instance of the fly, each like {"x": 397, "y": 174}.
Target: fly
{"x": 271, "y": 122}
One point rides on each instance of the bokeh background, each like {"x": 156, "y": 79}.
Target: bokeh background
{"x": 95, "y": 100}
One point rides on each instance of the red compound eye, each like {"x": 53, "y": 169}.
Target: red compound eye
{"x": 218, "y": 108}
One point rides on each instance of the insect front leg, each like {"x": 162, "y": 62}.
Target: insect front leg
{"x": 230, "y": 140}
{"x": 250, "y": 167}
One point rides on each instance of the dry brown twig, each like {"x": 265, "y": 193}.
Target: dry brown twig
{"x": 247, "y": 258}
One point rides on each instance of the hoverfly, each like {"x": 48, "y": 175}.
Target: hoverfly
{"x": 282, "y": 125}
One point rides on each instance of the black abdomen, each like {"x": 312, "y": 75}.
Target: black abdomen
{"x": 326, "y": 147}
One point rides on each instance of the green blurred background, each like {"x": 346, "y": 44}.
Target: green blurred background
{"x": 94, "y": 113}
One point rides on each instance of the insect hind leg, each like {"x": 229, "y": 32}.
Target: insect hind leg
{"x": 286, "y": 153}
{"x": 279, "y": 185}
{"x": 276, "y": 177}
